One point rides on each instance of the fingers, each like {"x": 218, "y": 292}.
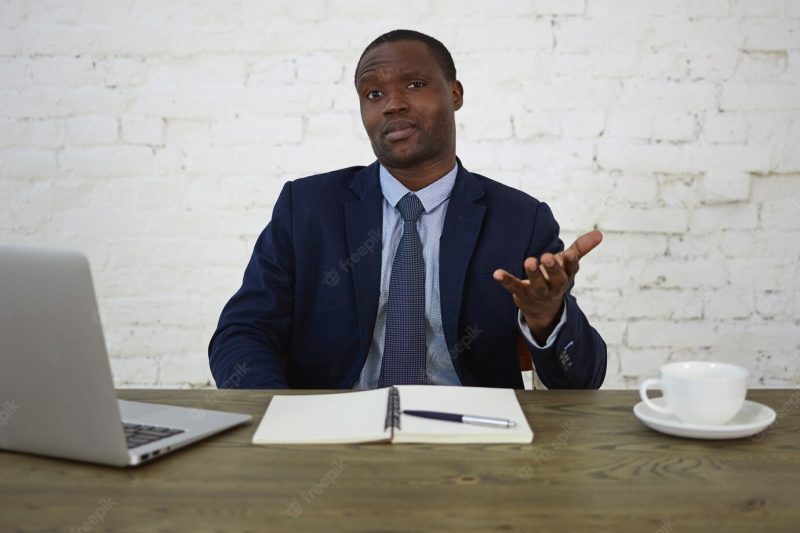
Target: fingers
{"x": 582, "y": 246}
{"x": 550, "y": 274}
{"x": 538, "y": 274}
{"x": 542, "y": 275}
{"x": 534, "y": 270}
{"x": 585, "y": 243}
{"x": 556, "y": 275}
{"x": 509, "y": 282}
{"x": 537, "y": 281}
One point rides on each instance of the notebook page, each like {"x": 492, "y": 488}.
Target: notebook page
{"x": 349, "y": 417}
{"x": 499, "y": 403}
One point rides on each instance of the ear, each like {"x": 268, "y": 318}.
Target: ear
{"x": 458, "y": 95}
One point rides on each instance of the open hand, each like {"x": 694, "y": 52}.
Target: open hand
{"x": 541, "y": 296}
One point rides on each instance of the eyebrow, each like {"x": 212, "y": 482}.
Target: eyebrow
{"x": 413, "y": 74}
{"x": 370, "y": 76}
{"x": 365, "y": 77}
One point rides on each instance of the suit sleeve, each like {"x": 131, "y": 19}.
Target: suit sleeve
{"x": 249, "y": 346}
{"x": 577, "y": 359}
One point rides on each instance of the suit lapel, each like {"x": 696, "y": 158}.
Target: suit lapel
{"x": 364, "y": 221}
{"x": 462, "y": 225}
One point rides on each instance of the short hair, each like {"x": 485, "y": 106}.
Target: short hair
{"x": 440, "y": 52}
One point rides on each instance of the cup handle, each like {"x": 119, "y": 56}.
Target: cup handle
{"x": 646, "y": 384}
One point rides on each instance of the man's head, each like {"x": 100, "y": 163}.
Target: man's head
{"x": 408, "y": 95}
{"x": 436, "y": 48}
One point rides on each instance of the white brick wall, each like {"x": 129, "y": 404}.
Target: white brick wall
{"x": 155, "y": 136}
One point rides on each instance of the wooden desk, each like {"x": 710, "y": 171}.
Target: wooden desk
{"x": 592, "y": 466}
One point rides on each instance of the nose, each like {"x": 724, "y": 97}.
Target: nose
{"x": 395, "y": 103}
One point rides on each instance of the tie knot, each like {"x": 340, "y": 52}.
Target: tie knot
{"x": 410, "y": 207}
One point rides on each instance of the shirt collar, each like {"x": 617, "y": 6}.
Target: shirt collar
{"x": 430, "y": 196}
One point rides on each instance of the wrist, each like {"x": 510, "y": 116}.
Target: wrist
{"x": 542, "y": 325}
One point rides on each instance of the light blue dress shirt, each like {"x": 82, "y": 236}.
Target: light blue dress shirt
{"x": 434, "y": 198}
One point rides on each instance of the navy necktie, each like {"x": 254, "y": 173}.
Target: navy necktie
{"x": 404, "y": 351}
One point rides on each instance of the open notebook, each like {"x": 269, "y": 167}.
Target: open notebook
{"x": 375, "y": 416}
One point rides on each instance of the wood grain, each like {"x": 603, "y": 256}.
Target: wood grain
{"x": 591, "y": 467}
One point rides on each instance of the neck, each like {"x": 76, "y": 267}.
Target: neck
{"x": 421, "y": 175}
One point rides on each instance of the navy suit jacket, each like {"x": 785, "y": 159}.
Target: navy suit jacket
{"x": 305, "y": 313}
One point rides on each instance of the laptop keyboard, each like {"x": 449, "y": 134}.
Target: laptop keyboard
{"x": 138, "y": 435}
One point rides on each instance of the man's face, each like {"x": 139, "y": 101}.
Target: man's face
{"x": 407, "y": 104}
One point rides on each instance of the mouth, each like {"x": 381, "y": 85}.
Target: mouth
{"x": 398, "y": 130}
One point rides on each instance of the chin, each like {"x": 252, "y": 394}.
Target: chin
{"x": 400, "y": 159}
{"x": 396, "y": 162}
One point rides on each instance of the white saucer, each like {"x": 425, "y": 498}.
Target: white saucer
{"x": 751, "y": 419}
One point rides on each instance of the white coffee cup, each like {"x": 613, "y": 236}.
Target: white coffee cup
{"x": 699, "y": 392}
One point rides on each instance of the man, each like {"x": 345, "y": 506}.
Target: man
{"x": 412, "y": 269}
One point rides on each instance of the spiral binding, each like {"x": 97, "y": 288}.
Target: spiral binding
{"x": 392, "y": 409}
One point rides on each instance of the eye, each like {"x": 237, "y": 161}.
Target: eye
{"x": 371, "y": 95}
{"x": 416, "y": 85}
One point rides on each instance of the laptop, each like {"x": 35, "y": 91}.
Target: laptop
{"x": 56, "y": 391}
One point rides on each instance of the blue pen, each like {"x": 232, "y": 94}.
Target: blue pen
{"x": 464, "y": 419}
